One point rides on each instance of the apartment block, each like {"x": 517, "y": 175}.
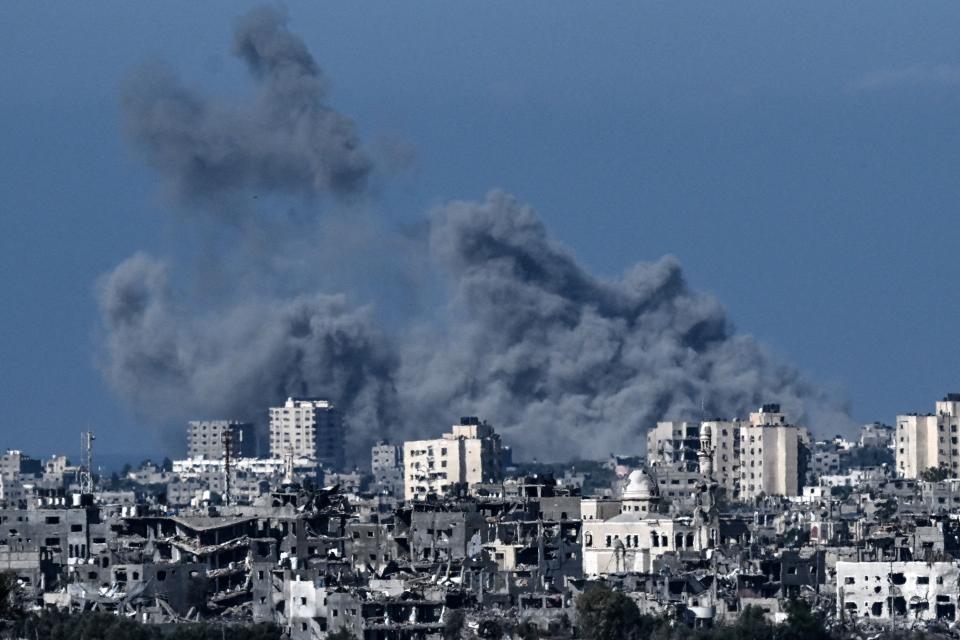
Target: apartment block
{"x": 308, "y": 428}
{"x": 467, "y": 456}
{"x": 386, "y": 463}
{"x": 925, "y": 441}
{"x": 762, "y": 455}
{"x": 208, "y": 439}
{"x": 770, "y": 455}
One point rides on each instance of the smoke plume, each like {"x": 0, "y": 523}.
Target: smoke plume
{"x": 172, "y": 361}
{"x": 288, "y": 141}
{"x": 562, "y": 362}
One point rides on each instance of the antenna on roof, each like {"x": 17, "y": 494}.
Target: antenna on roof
{"x": 85, "y": 472}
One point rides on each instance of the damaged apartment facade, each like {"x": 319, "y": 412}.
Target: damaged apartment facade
{"x": 720, "y": 515}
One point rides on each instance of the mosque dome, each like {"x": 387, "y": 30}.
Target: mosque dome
{"x": 639, "y": 486}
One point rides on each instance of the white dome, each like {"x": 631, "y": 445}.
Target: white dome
{"x": 639, "y": 486}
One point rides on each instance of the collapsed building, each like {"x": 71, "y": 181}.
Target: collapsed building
{"x": 679, "y": 535}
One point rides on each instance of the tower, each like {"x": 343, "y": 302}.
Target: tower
{"x": 705, "y": 454}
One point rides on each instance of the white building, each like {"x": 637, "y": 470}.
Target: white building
{"x": 193, "y": 468}
{"x": 632, "y": 539}
{"x": 929, "y": 441}
{"x": 905, "y": 590}
{"x": 468, "y": 455}
{"x": 308, "y": 428}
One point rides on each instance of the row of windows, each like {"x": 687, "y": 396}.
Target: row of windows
{"x": 633, "y": 540}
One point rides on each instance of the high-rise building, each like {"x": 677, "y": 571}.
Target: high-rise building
{"x": 308, "y": 428}
{"x": 674, "y": 442}
{"x": 929, "y": 441}
{"x": 386, "y": 462}
{"x": 725, "y": 445}
{"x": 770, "y": 457}
{"x": 763, "y": 455}
{"x": 468, "y": 455}
{"x": 208, "y": 439}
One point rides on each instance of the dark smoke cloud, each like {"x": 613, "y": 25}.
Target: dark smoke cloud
{"x": 173, "y": 361}
{"x": 567, "y": 363}
{"x": 288, "y": 142}
{"x": 563, "y": 362}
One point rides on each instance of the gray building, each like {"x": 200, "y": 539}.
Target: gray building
{"x": 207, "y": 439}
{"x": 386, "y": 463}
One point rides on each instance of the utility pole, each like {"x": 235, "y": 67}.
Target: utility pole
{"x": 227, "y": 445}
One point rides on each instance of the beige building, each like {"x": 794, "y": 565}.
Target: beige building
{"x": 762, "y": 455}
{"x": 673, "y": 442}
{"x": 724, "y": 439}
{"x": 929, "y": 441}
{"x": 308, "y": 428}
{"x": 770, "y": 454}
{"x": 468, "y": 455}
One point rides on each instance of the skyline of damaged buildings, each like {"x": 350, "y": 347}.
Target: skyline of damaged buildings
{"x": 717, "y": 516}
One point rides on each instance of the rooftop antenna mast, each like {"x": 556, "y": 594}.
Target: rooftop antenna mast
{"x": 86, "y": 462}
{"x": 227, "y": 446}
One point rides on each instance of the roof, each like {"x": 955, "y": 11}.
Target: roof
{"x": 203, "y": 523}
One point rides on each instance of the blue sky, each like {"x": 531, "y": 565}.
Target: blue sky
{"x": 799, "y": 159}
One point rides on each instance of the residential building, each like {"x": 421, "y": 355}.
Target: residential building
{"x": 890, "y": 590}
{"x": 386, "y": 463}
{"x": 725, "y": 442}
{"x": 877, "y": 435}
{"x": 741, "y": 466}
{"x": 467, "y": 456}
{"x": 673, "y": 442}
{"x": 770, "y": 454}
{"x": 929, "y": 441}
{"x": 207, "y": 439}
{"x": 308, "y": 428}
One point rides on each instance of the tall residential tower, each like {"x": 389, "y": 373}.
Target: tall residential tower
{"x": 308, "y": 428}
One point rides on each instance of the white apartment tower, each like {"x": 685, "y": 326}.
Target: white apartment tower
{"x": 308, "y": 428}
{"x": 468, "y": 455}
{"x": 929, "y": 441}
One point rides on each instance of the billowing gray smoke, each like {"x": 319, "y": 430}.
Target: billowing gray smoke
{"x": 564, "y": 363}
{"x": 171, "y": 361}
{"x": 287, "y": 142}
{"x": 568, "y": 363}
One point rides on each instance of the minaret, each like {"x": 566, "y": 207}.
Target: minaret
{"x": 705, "y": 455}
